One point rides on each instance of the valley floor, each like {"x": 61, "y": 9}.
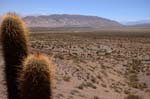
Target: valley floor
{"x": 94, "y": 66}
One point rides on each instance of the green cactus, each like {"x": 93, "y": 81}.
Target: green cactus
{"x": 35, "y": 81}
{"x": 15, "y": 49}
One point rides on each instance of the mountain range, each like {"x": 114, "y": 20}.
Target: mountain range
{"x": 137, "y": 22}
{"x": 66, "y": 20}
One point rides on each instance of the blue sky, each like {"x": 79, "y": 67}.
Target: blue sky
{"x": 119, "y": 10}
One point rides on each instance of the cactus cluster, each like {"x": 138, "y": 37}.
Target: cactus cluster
{"x": 27, "y": 76}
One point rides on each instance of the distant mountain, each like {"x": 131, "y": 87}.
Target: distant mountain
{"x": 77, "y": 21}
{"x": 143, "y": 23}
{"x": 65, "y": 20}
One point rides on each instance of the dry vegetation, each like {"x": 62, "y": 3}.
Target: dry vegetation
{"x": 97, "y": 65}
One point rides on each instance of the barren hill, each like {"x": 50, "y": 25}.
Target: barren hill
{"x": 65, "y": 20}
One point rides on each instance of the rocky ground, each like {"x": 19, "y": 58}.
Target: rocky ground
{"x": 92, "y": 66}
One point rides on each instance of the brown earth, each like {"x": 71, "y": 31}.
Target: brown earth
{"x": 94, "y": 66}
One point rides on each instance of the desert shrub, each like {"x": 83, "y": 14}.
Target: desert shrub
{"x": 86, "y": 84}
{"x": 133, "y": 97}
{"x": 95, "y": 97}
{"x": 66, "y": 78}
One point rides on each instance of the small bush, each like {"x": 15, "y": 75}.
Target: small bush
{"x": 133, "y": 97}
{"x": 95, "y": 97}
{"x": 66, "y": 78}
{"x": 87, "y": 84}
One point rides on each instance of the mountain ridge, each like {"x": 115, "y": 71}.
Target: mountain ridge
{"x": 76, "y": 20}
{"x": 67, "y": 20}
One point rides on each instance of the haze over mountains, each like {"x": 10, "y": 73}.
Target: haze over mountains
{"x": 66, "y": 20}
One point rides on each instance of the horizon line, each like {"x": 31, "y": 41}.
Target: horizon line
{"x": 46, "y": 14}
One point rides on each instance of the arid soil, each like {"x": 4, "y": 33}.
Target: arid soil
{"x": 93, "y": 66}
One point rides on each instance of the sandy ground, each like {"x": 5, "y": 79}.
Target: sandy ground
{"x": 88, "y": 68}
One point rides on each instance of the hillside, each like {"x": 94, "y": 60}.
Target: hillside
{"x": 64, "y": 20}
{"x": 78, "y": 21}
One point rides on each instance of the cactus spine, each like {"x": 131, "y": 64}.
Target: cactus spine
{"x": 35, "y": 76}
{"x": 15, "y": 49}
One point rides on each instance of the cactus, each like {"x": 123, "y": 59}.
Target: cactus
{"x": 15, "y": 49}
{"x": 35, "y": 81}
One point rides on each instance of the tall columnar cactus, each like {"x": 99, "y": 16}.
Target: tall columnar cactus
{"x": 15, "y": 49}
{"x": 35, "y": 81}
